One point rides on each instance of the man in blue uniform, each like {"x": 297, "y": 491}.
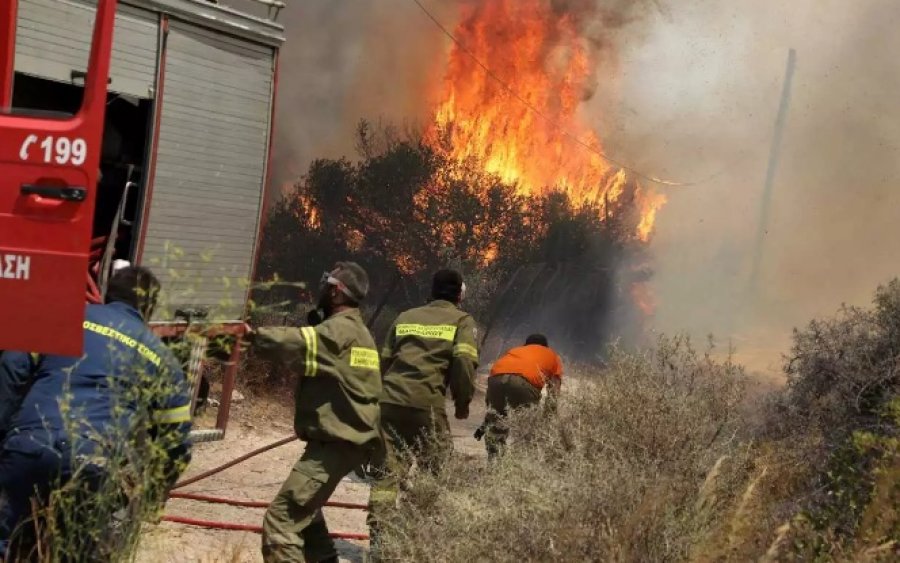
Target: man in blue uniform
{"x": 117, "y": 418}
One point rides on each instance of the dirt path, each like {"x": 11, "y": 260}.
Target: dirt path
{"x": 255, "y": 424}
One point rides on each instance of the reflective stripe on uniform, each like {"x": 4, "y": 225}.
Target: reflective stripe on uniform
{"x": 466, "y": 350}
{"x": 121, "y": 338}
{"x": 173, "y": 416}
{"x": 312, "y": 349}
{"x": 437, "y": 332}
{"x": 366, "y": 358}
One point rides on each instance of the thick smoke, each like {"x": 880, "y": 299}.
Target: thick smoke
{"x": 345, "y": 60}
{"x": 699, "y": 92}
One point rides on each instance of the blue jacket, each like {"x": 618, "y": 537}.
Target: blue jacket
{"x": 126, "y": 387}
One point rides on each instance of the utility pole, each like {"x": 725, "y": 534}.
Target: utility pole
{"x": 774, "y": 157}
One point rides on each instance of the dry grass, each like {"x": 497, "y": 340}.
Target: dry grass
{"x": 653, "y": 459}
{"x": 631, "y": 466}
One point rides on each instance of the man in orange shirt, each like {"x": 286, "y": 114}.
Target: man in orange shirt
{"x": 516, "y": 381}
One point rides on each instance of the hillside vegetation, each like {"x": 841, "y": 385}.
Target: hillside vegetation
{"x": 661, "y": 457}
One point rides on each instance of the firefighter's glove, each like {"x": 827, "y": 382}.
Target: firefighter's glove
{"x": 479, "y": 433}
{"x": 462, "y": 412}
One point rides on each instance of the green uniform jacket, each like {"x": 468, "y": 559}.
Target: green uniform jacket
{"x": 338, "y": 381}
{"x": 429, "y": 349}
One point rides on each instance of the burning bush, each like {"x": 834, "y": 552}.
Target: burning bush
{"x": 405, "y": 209}
{"x": 507, "y": 174}
{"x": 516, "y": 76}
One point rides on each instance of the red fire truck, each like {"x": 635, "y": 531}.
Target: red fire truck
{"x": 146, "y": 141}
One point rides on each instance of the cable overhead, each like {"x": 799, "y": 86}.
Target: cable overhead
{"x": 539, "y": 113}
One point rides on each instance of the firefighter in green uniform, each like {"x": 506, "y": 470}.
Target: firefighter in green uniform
{"x": 428, "y": 350}
{"x": 338, "y": 386}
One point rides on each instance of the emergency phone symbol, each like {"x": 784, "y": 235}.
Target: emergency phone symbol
{"x": 61, "y": 150}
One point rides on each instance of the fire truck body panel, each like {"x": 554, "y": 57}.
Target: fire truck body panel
{"x": 50, "y": 168}
{"x": 192, "y": 88}
{"x": 210, "y": 169}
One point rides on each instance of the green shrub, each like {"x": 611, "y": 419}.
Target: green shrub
{"x": 843, "y": 372}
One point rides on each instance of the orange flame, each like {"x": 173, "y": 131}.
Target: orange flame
{"x": 643, "y": 297}
{"x": 648, "y": 203}
{"x": 538, "y": 56}
{"x": 312, "y": 212}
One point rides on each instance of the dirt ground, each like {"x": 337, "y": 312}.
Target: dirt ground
{"x": 254, "y": 423}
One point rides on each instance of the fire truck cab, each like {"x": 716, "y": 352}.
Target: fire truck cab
{"x": 173, "y": 176}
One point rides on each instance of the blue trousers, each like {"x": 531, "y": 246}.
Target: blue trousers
{"x": 28, "y": 470}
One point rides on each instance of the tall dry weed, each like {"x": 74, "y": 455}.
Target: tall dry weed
{"x": 651, "y": 459}
{"x": 628, "y": 467}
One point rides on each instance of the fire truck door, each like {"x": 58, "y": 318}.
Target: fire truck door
{"x": 48, "y": 176}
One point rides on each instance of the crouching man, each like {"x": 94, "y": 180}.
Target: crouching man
{"x": 98, "y": 434}
{"x": 516, "y": 381}
{"x": 336, "y": 399}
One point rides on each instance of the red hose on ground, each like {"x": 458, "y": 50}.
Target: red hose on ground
{"x": 353, "y": 505}
{"x": 256, "y": 503}
{"x": 220, "y": 500}
{"x": 212, "y": 524}
{"x": 234, "y": 462}
{"x": 246, "y": 503}
{"x": 249, "y": 527}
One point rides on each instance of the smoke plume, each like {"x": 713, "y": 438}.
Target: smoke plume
{"x": 345, "y": 60}
{"x": 698, "y": 97}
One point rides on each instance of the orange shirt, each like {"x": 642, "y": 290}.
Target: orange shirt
{"x": 534, "y": 362}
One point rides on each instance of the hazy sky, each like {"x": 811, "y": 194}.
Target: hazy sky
{"x": 698, "y": 92}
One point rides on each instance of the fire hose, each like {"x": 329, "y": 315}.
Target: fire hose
{"x": 249, "y": 527}
{"x": 245, "y": 503}
{"x": 233, "y": 462}
{"x": 256, "y": 503}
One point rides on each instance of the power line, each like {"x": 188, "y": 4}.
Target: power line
{"x": 538, "y": 112}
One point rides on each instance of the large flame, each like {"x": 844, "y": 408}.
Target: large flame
{"x": 519, "y": 115}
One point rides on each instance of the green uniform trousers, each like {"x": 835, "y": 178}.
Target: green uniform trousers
{"x": 505, "y": 392}
{"x": 294, "y": 528}
{"x": 408, "y": 434}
